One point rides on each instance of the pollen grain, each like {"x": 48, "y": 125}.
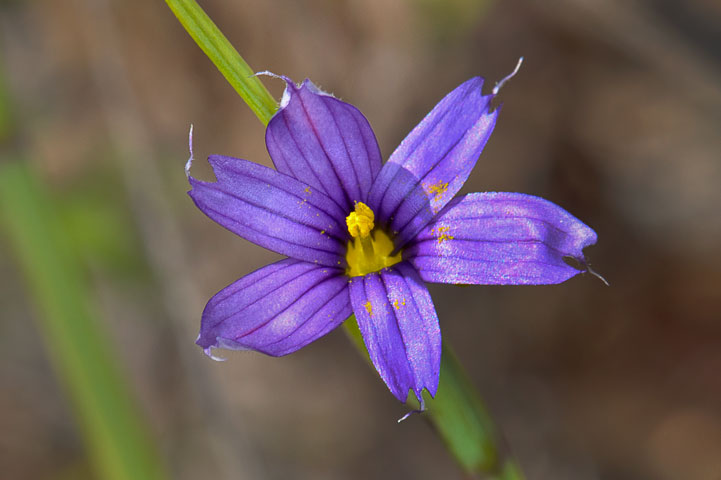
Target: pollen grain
{"x": 442, "y": 235}
{"x": 438, "y": 189}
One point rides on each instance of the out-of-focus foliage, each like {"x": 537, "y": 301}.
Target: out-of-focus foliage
{"x": 102, "y": 234}
{"x": 115, "y": 433}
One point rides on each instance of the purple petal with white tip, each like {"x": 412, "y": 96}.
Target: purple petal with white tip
{"x": 500, "y": 239}
{"x": 277, "y": 309}
{"x": 400, "y": 329}
{"x": 433, "y": 162}
{"x": 273, "y": 210}
{"x": 325, "y": 143}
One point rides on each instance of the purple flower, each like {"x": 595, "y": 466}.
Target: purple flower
{"x": 362, "y": 237}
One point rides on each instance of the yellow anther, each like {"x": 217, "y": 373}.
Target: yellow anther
{"x": 360, "y": 221}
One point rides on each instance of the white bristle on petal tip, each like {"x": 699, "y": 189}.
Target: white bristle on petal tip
{"x": 189, "y": 163}
{"x": 500, "y": 84}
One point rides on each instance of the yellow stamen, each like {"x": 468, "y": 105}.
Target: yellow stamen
{"x": 370, "y": 248}
{"x": 360, "y": 221}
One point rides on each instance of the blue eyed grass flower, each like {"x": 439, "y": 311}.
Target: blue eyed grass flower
{"x": 363, "y": 237}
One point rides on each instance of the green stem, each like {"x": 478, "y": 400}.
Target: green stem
{"x": 457, "y": 412}
{"x": 115, "y": 435}
{"x": 459, "y": 416}
{"x": 226, "y": 58}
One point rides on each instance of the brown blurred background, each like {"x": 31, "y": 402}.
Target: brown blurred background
{"x": 615, "y": 115}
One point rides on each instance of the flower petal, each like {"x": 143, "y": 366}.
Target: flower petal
{"x": 272, "y": 210}
{"x": 500, "y": 239}
{"x": 325, "y": 143}
{"x": 433, "y": 162}
{"x": 277, "y": 309}
{"x": 400, "y": 329}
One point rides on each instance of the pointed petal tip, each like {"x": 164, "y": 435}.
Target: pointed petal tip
{"x": 209, "y": 352}
{"x": 581, "y": 265}
{"x": 419, "y": 396}
{"x": 209, "y": 345}
{"x": 285, "y": 99}
{"x": 313, "y": 88}
{"x": 431, "y": 389}
{"x": 471, "y": 82}
{"x": 291, "y": 87}
{"x": 289, "y": 84}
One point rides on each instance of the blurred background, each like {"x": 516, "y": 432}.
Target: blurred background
{"x": 615, "y": 115}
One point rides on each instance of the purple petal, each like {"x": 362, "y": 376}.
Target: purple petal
{"x": 396, "y": 316}
{"x": 433, "y": 162}
{"x": 500, "y": 239}
{"x": 273, "y": 210}
{"x": 277, "y": 309}
{"x": 325, "y": 143}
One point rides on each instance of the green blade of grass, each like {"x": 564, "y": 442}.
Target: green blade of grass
{"x": 226, "y": 58}
{"x": 116, "y": 438}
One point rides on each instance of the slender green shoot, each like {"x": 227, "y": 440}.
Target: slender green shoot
{"x": 226, "y": 58}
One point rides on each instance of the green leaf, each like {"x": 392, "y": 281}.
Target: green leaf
{"x": 219, "y": 50}
{"x": 116, "y": 436}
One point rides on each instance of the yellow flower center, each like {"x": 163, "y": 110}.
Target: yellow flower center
{"x": 370, "y": 248}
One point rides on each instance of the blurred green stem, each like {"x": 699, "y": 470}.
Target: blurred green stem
{"x": 115, "y": 435}
{"x": 459, "y": 416}
{"x": 457, "y": 412}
